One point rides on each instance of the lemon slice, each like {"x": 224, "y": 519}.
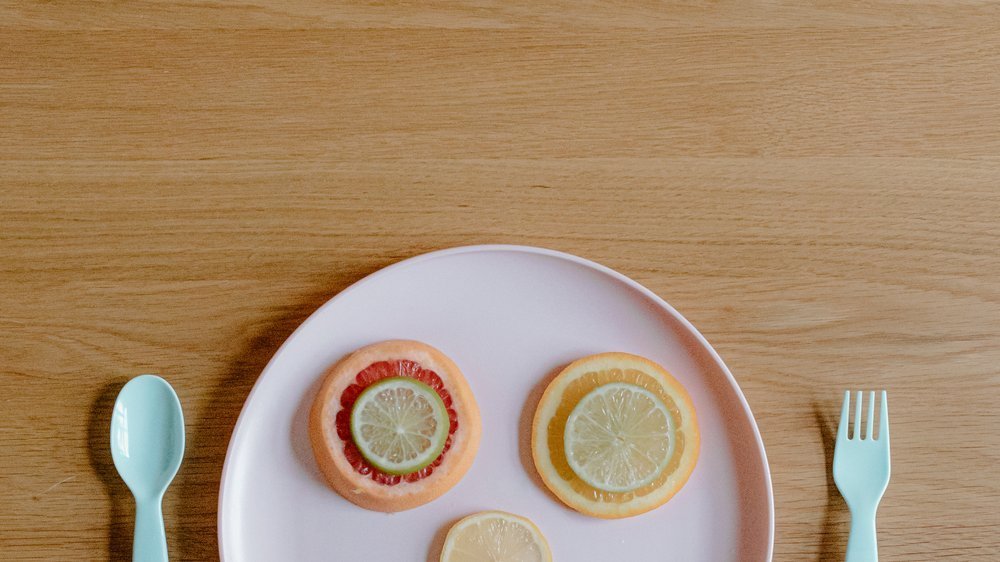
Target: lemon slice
{"x": 400, "y": 425}
{"x": 617, "y": 437}
{"x": 495, "y": 536}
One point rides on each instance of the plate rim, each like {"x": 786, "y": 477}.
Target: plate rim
{"x": 227, "y": 466}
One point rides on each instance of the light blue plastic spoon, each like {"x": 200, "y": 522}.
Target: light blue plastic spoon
{"x": 147, "y": 444}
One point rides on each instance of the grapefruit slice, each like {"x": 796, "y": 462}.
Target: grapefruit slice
{"x": 437, "y": 423}
{"x": 615, "y": 435}
{"x": 495, "y": 536}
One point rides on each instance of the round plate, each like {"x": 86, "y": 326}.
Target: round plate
{"x": 510, "y": 317}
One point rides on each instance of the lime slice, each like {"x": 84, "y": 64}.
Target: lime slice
{"x": 400, "y": 425}
{"x": 617, "y": 437}
{"x": 495, "y": 535}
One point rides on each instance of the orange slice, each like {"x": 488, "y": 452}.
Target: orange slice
{"x": 615, "y": 435}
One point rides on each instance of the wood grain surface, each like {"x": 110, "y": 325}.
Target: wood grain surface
{"x": 815, "y": 185}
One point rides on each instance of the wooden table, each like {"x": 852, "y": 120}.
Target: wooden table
{"x": 817, "y": 188}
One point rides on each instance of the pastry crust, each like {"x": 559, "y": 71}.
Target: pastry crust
{"x": 328, "y": 447}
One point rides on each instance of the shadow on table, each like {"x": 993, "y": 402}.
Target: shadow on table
{"x": 209, "y": 434}
{"x": 99, "y": 449}
{"x": 835, "y": 518}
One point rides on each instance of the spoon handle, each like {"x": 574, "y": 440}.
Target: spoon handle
{"x": 150, "y": 542}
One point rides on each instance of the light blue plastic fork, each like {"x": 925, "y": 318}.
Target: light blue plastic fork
{"x": 861, "y": 471}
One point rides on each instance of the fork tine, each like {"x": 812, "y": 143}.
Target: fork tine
{"x": 883, "y": 420}
{"x": 869, "y": 431}
{"x": 856, "y": 434}
{"x": 845, "y": 412}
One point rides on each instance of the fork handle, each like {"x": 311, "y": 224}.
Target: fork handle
{"x": 862, "y": 546}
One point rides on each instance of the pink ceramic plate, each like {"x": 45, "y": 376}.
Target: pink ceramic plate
{"x": 509, "y": 316}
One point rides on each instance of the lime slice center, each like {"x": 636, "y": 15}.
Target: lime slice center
{"x": 399, "y": 425}
{"x": 618, "y": 437}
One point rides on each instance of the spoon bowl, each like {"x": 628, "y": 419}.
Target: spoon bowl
{"x": 147, "y": 445}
